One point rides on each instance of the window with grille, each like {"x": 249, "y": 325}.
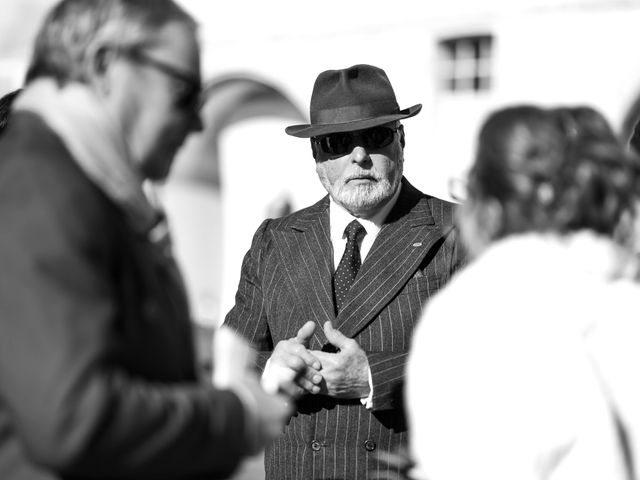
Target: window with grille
{"x": 465, "y": 63}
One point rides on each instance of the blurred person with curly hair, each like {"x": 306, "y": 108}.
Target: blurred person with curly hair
{"x": 524, "y": 366}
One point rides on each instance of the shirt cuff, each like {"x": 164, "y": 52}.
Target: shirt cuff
{"x": 273, "y": 376}
{"x": 367, "y": 402}
{"x": 266, "y": 381}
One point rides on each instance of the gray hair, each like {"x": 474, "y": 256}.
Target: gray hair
{"x": 75, "y": 29}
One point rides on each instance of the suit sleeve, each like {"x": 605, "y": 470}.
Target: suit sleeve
{"x": 71, "y": 408}
{"x": 387, "y": 375}
{"x": 248, "y": 316}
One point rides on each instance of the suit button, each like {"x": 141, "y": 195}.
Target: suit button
{"x": 315, "y": 445}
{"x": 369, "y": 445}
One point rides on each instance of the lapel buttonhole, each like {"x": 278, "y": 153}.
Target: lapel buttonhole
{"x": 417, "y": 244}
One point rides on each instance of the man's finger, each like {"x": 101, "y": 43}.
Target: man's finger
{"x": 304, "y": 334}
{"x": 291, "y": 389}
{"x": 302, "y": 361}
{"x": 335, "y": 337}
{"x": 310, "y": 360}
{"x": 307, "y": 385}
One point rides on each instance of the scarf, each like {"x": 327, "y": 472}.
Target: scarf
{"x": 97, "y": 144}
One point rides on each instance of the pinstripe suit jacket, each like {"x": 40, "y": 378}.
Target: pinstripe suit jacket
{"x": 286, "y": 280}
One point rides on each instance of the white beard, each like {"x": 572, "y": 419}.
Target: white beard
{"x": 359, "y": 198}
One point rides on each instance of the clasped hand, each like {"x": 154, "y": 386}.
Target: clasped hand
{"x": 296, "y": 370}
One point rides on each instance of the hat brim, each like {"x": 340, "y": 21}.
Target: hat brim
{"x": 308, "y": 130}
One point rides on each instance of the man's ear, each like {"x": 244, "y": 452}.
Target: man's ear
{"x": 401, "y": 135}
{"x": 314, "y": 149}
{"x": 99, "y": 58}
{"x": 98, "y": 61}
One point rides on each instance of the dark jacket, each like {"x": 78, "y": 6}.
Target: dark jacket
{"x": 286, "y": 281}
{"x": 97, "y": 368}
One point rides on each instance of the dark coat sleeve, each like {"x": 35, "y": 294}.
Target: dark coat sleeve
{"x": 249, "y": 314}
{"x": 72, "y": 406}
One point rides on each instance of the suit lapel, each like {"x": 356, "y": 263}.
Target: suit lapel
{"x": 306, "y": 253}
{"x": 403, "y": 242}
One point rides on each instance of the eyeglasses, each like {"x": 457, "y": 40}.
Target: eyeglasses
{"x": 190, "y": 89}
{"x": 342, "y": 143}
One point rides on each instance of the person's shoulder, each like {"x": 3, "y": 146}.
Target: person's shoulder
{"x": 301, "y": 217}
{"x": 442, "y": 204}
{"x": 413, "y": 191}
{"x": 36, "y": 166}
{"x": 29, "y": 143}
{"x": 443, "y": 211}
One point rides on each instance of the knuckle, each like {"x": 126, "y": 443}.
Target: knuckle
{"x": 295, "y": 362}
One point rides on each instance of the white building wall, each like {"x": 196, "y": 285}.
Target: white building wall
{"x": 545, "y": 51}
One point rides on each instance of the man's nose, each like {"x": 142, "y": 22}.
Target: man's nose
{"x": 359, "y": 155}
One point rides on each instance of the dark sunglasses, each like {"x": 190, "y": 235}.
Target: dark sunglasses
{"x": 189, "y": 87}
{"x": 342, "y": 143}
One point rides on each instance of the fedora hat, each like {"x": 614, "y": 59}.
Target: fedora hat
{"x": 351, "y": 99}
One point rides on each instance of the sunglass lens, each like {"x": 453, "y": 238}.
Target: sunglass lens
{"x": 378, "y": 137}
{"x": 343, "y": 143}
{"x": 336, "y": 143}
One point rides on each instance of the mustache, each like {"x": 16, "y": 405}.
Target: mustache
{"x": 363, "y": 175}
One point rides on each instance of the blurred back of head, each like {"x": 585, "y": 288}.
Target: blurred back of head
{"x": 549, "y": 170}
{"x": 74, "y": 30}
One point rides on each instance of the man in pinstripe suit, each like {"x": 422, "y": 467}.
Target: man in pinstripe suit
{"x": 336, "y": 342}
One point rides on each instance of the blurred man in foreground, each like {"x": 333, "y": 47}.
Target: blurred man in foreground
{"x": 97, "y": 368}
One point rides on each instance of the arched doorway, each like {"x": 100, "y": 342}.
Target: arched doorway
{"x": 225, "y": 180}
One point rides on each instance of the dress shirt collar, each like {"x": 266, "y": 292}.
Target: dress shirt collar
{"x": 339, "y": 218}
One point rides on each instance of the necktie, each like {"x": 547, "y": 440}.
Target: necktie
{"x": 349, "y": 264}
